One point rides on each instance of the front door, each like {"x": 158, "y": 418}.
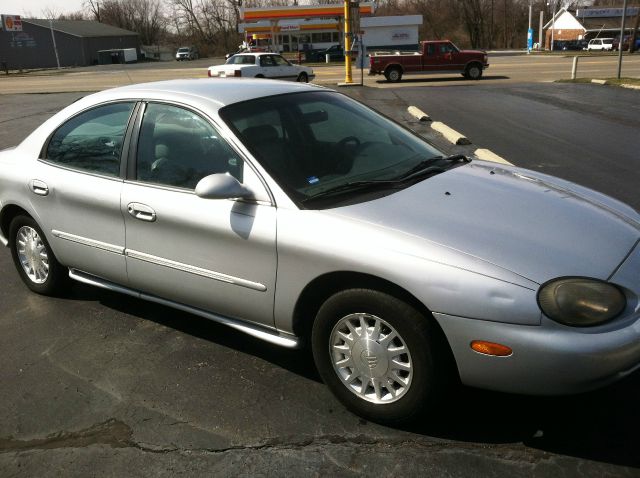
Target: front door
{"x": 216, "y": 255}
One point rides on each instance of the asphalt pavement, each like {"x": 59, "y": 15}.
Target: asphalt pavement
{"x": 98, "y": 384}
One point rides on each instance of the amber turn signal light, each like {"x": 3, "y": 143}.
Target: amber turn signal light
{"x": 489, "y": 348}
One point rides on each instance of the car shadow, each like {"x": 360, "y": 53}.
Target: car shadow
{"x": 452, "y": 79}
{"x": 600, "y": 426}
{"x": 299, "y": 362}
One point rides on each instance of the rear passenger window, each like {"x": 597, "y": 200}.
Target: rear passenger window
{"x": 92, "y": 141}
{"x": 176, "y": 147}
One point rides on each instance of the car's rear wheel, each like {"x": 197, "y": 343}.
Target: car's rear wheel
{"x": 303, "y": 78}
{"x": 377, "y": 355}
{"x": 36, "y": 264}
{"x": 393, "y": 74}
{"x": 473, "y": 71}
{"x": 259, "y": 76}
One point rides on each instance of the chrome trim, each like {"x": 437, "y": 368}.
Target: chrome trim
{"x": 3, "y": 240}
{"x": 263, "y": 333}
{"x": 195, "y": 270}
{"x": 88, "y": 242}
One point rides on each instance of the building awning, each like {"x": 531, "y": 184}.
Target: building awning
{"x": 301, "y": 11}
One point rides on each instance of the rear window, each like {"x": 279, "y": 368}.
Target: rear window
{"x": 608, "y": 42}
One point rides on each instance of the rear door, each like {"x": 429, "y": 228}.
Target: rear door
{"x": 77, "y": 186}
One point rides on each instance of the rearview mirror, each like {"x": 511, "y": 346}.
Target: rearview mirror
{"x": 315, "y": 117}
{"x": 221, "y": 186}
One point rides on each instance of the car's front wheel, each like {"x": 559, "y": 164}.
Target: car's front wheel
{"x": 303, "y": 78}
{"x": 377, "y": 354}
{"x": 473, "y": 72}
{"x": 38, "y": 267}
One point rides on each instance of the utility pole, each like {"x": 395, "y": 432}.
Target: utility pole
{"x": 621, "y": 42}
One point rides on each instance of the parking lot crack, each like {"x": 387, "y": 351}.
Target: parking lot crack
{"x": 112, "y": 432}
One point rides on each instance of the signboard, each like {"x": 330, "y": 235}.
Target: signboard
{"x": 11, "y": 23}
{"x": 530, "y": 39}
{"x": 289, "y": 28}
{"x": 605, "y": 12}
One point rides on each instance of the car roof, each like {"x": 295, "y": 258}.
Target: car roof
{"x": 213, "y": 92}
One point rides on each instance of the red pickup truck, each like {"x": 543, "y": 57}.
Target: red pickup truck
{"x": 440, "y": 56}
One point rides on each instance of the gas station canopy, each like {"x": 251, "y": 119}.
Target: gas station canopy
{"x": 301, "y": 11}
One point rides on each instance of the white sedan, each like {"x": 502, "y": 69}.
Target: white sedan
{"x": 261, "y": 65}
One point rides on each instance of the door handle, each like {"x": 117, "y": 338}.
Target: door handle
{"x": 39, "y": 187}
{"x": 141, "y": 211}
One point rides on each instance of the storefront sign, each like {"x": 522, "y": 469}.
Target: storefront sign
{"x": 605, "y": 12}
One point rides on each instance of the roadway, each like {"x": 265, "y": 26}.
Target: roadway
{"x": 503, "y": 70}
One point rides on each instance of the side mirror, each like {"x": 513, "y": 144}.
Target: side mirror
{"x": 221, "y": 186}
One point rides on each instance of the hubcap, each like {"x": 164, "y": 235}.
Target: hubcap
{"x": 370, "y": 358}
{"x": 32, "y": 254}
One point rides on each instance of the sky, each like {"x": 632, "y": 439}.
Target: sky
{"x": 34, "y": 8}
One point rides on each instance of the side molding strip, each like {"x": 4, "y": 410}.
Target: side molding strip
{"x": 263, "y": 333}
{"x": 105, "y": 246}
{"x": 195, "y": 270}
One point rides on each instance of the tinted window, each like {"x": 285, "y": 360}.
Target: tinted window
{"x": 280, "y": 61}
{"x": 92, "y": 141}
{"x": 312, "y": 142}
{"x": 178, "y": 148}
{"x": 267, "y": 60}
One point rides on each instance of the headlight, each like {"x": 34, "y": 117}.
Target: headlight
{"x": 580, "y": 302}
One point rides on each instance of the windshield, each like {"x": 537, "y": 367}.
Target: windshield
{"x": 183, "y": 50}
{"x": 316, "y": 142}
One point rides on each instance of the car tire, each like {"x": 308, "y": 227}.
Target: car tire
{"x": 32, "y": 255}
{"x": 473, "y": 71}
{"x": 259, "y": 76}
{"x": 396, "y": 379}
{"x": 393, "y": 74}
{"x": 303, "y": 78}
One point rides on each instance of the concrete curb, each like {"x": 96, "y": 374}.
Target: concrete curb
{"x": 450, "y": 135}
{"x": 418, "y": 114}
{"x": 599, "y": 82}
{"x": 631, "y": 87}
{"x": 488, "y": 155}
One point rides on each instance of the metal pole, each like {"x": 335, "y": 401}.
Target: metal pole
{"x": 53, "y": 37}
{"x": 621, "y": 42}
{"x": 574, "y": 68}
{"x": 553, "y": 22}
{"x": 540, "y": 29}
{"x": 347, "y": 42}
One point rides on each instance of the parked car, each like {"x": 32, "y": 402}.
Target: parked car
{"x": 187, "y": 53}
{"x": 600, "y": 44}
{"x": 335, "y": 52}
{"x": 570, "y": 45}
{"x": 261, "y": 65}
{"x": 296, "y": 214}
{"x": 434, "y": 57}
{"x": 626, "y": 43}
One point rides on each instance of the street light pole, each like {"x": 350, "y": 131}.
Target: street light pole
{"x": 529, "y": 32}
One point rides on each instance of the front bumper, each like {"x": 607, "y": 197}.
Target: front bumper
{"x": 550, "y": 359}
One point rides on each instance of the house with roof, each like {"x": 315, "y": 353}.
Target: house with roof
{"x": 588, "y": 23}
{"x": 78, "y": 43}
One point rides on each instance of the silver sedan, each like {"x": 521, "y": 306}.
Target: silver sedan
{"x": 296, "y": 214}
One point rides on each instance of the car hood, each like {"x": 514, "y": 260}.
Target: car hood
{"x": 533, "y": 225}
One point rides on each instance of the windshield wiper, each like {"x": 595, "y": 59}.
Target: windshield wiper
{"x": 354, "y": 186}
{"x": 426, "y": 166}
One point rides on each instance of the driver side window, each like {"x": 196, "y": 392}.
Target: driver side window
{"x": 178, "y": 148}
